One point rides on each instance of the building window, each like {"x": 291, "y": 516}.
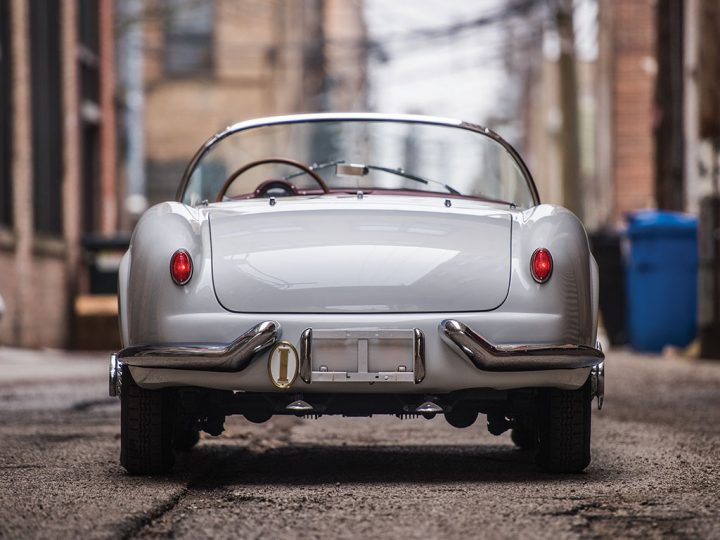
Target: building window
{"x": 189, "y": 38}
{"x": 47, "y": 115}
{"x": 6, "y": 124}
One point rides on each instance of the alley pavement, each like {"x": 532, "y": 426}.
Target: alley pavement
{"x": 655, "y": 468}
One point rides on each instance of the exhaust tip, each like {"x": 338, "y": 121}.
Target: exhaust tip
{"x": 300, "y": 406}
{"x": 429, "y": 408}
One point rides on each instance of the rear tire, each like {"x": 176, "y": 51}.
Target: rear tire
{"x": 146, "y": 423}
{"x": 564, "y": 429}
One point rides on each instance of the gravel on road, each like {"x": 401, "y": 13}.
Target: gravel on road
{"x": 655, "y": 469}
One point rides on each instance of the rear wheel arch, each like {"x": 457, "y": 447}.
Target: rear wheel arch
{"x": 151, "y": 296}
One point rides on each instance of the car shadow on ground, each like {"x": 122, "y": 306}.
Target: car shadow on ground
{"x": 214, "y": 466}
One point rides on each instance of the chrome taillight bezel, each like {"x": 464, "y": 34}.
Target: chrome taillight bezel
{"x": 172, "y": 264}
{"x": 533, "y": 258}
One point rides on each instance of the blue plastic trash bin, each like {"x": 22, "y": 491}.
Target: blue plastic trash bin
{"x": 662, "y": 280}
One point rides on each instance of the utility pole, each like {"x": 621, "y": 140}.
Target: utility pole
{"x": 314, "y": 62}
{"x": 570, "y": 133}
{"x": 130, "y": 48}
{"x": 709, "y": 98}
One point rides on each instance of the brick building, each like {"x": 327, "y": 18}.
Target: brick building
{"x": 626, "y": 77}
{"x": 210, "y": 64}
{"x": 616, "y": 115}
{"x": 57, "y": 159}
{"x": 183, "y": 70}
{"x": 651, "y": 80}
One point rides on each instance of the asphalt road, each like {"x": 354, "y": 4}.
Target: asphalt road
{"x": 655, "y": 470}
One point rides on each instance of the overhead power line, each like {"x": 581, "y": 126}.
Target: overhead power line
{"x": 513, "y": 9}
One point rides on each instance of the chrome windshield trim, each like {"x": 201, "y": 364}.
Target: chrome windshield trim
{"x": 371, "y": 117}
{"x": 233, "y": 357}
{"x": 488, "y": 357}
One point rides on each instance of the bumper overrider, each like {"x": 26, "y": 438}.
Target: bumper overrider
{"x": 233, "y": 357}
{"x": 482, "y": 354}
{"x": 488, "y": 357}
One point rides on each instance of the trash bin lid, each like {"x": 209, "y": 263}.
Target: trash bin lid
{"x": 661, "y": 223}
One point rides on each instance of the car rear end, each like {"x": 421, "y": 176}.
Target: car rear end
{"x": 357, "y": 264}
{"x": 358, "y": 307}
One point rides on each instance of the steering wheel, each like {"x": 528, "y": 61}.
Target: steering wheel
{"x": 284, "y": 161}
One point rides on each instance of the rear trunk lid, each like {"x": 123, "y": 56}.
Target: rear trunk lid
{"x": 361, "y": 258}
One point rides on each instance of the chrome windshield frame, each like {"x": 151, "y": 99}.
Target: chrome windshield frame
{"x": 368, "y": 117}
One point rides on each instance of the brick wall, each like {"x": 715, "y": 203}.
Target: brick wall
{"x": 632, "y": 90}
{"x": 39, "y": 274}
{"x": 9, "y": 294}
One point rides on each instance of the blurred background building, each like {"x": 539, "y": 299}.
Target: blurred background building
{"x": 616, "y": 106}
{"x": 208, "y": 64}
{"x": 57, "y": 159}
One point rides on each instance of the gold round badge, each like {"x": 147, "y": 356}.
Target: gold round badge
{"x": 283, "y": 364}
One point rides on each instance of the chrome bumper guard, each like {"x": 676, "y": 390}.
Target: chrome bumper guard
{"x": 488, "y": 357}
{"x": 115, "y": 381}
{"x": 597, "y": 382}
{"x": 230, "y": 358}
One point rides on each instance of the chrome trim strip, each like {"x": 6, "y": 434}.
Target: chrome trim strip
{"x": 306, "y": 355}
{"x": 597, "y": 381}
{"x": 361, "y": 333}
{"x": 351, "y": 376}
{"x": 418, "y": 355}
{"x": 233, "y": 357}
{"x": 488, "y": 357}
{"x": 115, "y": 379}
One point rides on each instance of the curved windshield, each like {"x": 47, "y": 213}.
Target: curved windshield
{"x": 373, "y": 156}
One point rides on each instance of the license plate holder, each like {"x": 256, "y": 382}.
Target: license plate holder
{"x": 362, "y": 355}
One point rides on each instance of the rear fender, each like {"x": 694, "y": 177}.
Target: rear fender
{"x": 151, "y": 297}
{"x": 570, "y": 293}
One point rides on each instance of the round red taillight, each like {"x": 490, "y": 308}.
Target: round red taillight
{"x": 541, "y": 265}
{"x": 181, "y": 267}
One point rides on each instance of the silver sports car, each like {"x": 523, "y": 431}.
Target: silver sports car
{"x": 357, "y": 264}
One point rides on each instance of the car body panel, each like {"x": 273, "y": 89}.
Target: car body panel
{"x": 369, "y": 255}
{"x": 561, "y": 311}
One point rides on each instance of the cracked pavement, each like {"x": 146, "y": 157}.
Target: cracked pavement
{"x": 655, "y": 470}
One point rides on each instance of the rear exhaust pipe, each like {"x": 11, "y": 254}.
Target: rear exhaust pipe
{"x": 429, "y": 409}
{"x": 300, "y": 407}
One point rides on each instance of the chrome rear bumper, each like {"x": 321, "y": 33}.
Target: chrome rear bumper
{"x": 240, "y": 353}
{"x": 488, "y": 357}
{"x": 233, "y": 357}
